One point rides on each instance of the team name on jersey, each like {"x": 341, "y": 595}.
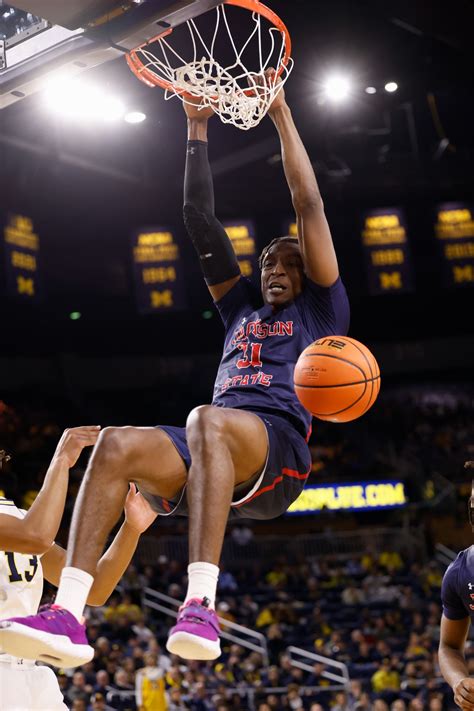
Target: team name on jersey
{"x": 251, "y": 352}
{"x": 262, "y": 330}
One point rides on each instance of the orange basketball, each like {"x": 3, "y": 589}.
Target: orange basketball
{"x": 337, "y": 379}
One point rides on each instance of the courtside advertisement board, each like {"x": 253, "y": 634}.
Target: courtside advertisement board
{"x": 357, "y": 496}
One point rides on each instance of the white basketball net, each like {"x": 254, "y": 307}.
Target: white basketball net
{"x": 239, "y": 95}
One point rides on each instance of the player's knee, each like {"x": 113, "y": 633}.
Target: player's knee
{"x": 205, "y": 423}
{"x": 114, "y": 445}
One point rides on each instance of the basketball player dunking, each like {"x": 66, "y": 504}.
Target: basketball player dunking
{"x": 27, "y": 553}
{"x": 246, "y": 453}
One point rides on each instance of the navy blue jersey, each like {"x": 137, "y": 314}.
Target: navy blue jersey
{"x": 457, "y": 590}
{"x": 261, "y": 346}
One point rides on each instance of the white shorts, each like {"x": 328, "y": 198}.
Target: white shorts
{"x": 27, "y": 687}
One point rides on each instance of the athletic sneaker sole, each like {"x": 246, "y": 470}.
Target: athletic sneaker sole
{"x": 190, "y": 646}
{"x": 58, "y": 650}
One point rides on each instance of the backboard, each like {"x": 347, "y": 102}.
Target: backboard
{"x": 40, "y": 37}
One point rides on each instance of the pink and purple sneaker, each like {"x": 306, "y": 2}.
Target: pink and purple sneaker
{"x": 53, "y": 636}
{"x": 196, "y": 633}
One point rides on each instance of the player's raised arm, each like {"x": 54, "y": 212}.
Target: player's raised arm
{"x": 138, "y": 517}
{"x": 216, "y": 254}
{"x": 35, "y": 532}
{"x": 315, "y": 239}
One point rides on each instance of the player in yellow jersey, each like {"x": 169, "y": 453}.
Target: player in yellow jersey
{"x": 28, "y": 552}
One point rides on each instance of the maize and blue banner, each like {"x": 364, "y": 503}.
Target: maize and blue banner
{"x": 386, "y": 250}
{"x": 454, "y": 230}
{"x": 242, "y": 234}
{"x": 22, "y": 267}
{"x": 158, "y": 271}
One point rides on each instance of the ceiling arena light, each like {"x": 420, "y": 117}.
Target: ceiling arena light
{"x": 75, "y": 100}
{"x": 370, "y": 90}
{"x": 391, "y": 86}
{"x": 134, "y": 117}
{"x": 337, "y": 88}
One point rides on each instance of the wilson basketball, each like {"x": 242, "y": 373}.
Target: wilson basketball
{"x": 337, "y": 379}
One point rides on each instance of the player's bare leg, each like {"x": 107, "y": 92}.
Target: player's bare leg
{"x": 145, "y": 455}
{"x": 228, "y": 447}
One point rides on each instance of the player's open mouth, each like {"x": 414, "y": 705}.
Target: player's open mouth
{"x": 276, "y": 288}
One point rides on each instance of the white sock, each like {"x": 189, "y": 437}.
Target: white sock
{"x": 202, "y": 582}
{"x": 73, "y": 591}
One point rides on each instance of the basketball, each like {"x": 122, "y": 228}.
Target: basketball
{"x": 337, "y": 379}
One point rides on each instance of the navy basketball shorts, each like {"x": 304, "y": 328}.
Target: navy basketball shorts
{"x": 268, "y": 494}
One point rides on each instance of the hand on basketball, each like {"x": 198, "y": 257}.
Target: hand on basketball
{"x": 73, "y": 442}
{"x": 138, "y": 513}
{"x": 464, "y": 694}
{"x": 193, "y": 112}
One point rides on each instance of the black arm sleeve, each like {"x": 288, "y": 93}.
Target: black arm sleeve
{"x": 210, "y": 240}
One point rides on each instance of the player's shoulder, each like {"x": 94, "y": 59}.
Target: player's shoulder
{"x": 463, "y": 563}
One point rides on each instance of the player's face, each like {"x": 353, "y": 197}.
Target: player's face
{"x": 282, "y": 274}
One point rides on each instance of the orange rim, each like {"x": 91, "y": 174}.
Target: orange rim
{"x": 151, "y": 79}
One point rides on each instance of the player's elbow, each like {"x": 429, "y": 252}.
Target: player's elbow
{"x": 306, "y": 203}
{"x": 38, "y": 544}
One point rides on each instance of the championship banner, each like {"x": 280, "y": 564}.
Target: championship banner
{"x": 290, "y": 228}
{"x": 22, "y": 258}
{"x": 454, "y": 230}
{"x": 157, "y": 271}
{"x": 386, "y": 250}
{"x": 359, "y": 496}
{"x": 242, "y": 235}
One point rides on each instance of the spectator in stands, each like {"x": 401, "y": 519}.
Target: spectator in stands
{"x": 353, "y": 595}
{"x": 102, "y": 682}
{"x": 364, "y": 703}
{"x": 175, "y": 702}
{"x": 341, "y": 702}
{"x": 391, "y": 561}
{"x": 129, "y": 609}
{"x": 200, "y": 700}
{"x": 142, "y": 632}
{"x": 79, "y": 689}
{"x": 122, "y": 693}
{"x": 386, "y": 678}
{"x": 241, "y": 535}
{"x": 98, "y": 703}
{"x": 226, "y": 581}
{"x": 295, "y": 701}
{"x": 398, "y": 705}
{"x": 316, "y": 677}
{"x": 79, "y": 705}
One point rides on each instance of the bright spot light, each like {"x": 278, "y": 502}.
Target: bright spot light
{"x": 75, "y": 315}
{"x": 337, "y": 88}
{"x": 134, "y": 117}
{"x": 371, "y": 90}
{"x": 391, "y": 86}
{"x": 73, "y": 99}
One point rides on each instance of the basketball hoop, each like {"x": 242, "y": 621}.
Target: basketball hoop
{"x": 239, "y": 94}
